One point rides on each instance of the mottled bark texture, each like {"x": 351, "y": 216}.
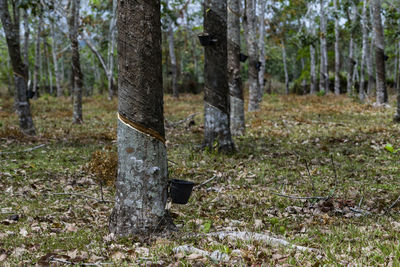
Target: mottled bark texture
{"x": 111, "y": 47}
{"x": 397, "y": 115}
{"x": 337, "y": 49}
{"x": 364, "y": 51}
{"x": 250, "y": 25}
{"x": 11, "y": 30}
{"x": 75, "y": 61}
{"x": 261, "y": 45}
{"x": 216, "y": 91}
{"x": 324, "y": 76}
{"x": 381, "y": 92}
{"x": 234, "y": 78}
{"x": 55, "y": 61}
{"x": 36, "y": 70}
{"x": 285, "y": 69}
{"x": 141, "y": 187}
{"x": 174, "y": 67}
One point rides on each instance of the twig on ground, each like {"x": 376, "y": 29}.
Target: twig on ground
{"x": 297, "y": 197}
{"x": 21, "y": 151}
{"x": 359, "y": 203}
{"x": 52, "y": 259}
{"x": 248, "y": 236}
{"x": 205, "y": 182}
{"x": 174, "y": 124}
{"x": 393, "y": 204}
{"x": 82, "y": 195}
{"x": 336, "y": 178}
{"x": 216, "y": 255}
{"x": 358, "y": 210}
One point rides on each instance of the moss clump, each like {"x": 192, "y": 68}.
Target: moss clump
{"x": 103, "y": 165}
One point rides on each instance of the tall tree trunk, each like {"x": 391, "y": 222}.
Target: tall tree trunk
{"x": 111, "y": 47}
{"x": 11, "y": 30}
{"x": 26, "y": 41}
{"x": 234, "y": 77}
{"x": 172, "y": 56}
{"x": 364, "y": 51}
{"x": 381, "y": 92}
{"x": 351, "y": 62}
{"x": 285, "y": 69}
{"x": 37, "y": 67}
{"x": 337, "y": 51}
{"x": 397, "y": 115}
{"x": 55, "y": 62}
{"x": 216, "y": 91}
{"x": 313, "y": 75}
{"x": 324, "y": 76}
{"x": 262, "y": 47}
{"x": 251, "y": 38}
{"x": 75, "y": 61}
{"x": 141, "y": 187}
{"x": 46, "y": 61}
{"x": 370, "y": 65}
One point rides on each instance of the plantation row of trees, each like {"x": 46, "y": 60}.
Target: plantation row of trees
{"x": 68, "y": 47}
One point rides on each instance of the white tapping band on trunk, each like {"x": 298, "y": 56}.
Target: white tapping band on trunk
{"x": 139, "y": 128}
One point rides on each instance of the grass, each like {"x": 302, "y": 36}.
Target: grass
{"x": 285, "y": 135}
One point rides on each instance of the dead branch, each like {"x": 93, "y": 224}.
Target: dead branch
{"x": 82, "y": 195}
{"x": 52, "y": 259}
{"x": 216, "y": 255}
{"x": 358, "y": 210}
{"x": 22, "y": 151}
{"x": 206, "y": 182}
{"x": 174, "y": 124}
{"x": 297, "y": 197}
{"x": 393, "y": 204}
{"x": 248, "y": 236}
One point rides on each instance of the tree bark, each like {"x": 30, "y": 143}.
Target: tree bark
{"x": 37, "y": 67}
{"x": 26, "y": 41}
{"x": 285, "y": 69}
{"x": 55, "y": 63}
{"x": 351, "y": 62}
{"x": 216, "y": 97}
{"x": 337, "y": 50}
{"x": 364, "y": 51}
{"x": 172, "y": 56}
{"x": 11, "y": 30}
{"x": 397, "y": 115}
{"x": 324, "y": 76}
{"x": 313, "y": 78}
{"x": 262, "y": 47}
{"x": 110, "y": 73}
{"x": 75, "y": 61}
{"x": 381, "y": 92}
{"x": 251, "y": 38}
{"x": 141, "y": 187}
{"x": 234, "y": 77}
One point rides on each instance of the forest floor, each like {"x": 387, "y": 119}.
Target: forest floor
{"x": 50, "y": 210}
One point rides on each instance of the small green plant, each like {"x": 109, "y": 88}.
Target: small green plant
{"x": 390, "y": 148}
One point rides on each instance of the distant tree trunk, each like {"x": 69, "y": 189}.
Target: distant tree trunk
{"x": 172, "y": 56}
{"x": 285, "y": 69}
{"x": 324, "y": 77}
{"x": 110, "y": 72}
{"x": 49, "y": 76}
{"x": 142, "y": 183}
{"x": 370, "y": 66}
{"x": 251, "y": 38}
{"x": 11, "y": 30}
{"x": 351, "y": 62}
{"x": 313, "y": 78}
{"x": 26, "y": 41}
{"x": 337, "y": 51}
{"x": 55, "y": 61}
{"x": 397, "y": 115}
{"x": 262, "y": 47}
{"x": 303, "y": 81}
{"x": 234, "y": 77}
{"x": 36, "y": 71}
{"x": 381, "y": 92}
{"x": 216, "y": 92}
{"x": 364, "y": 51}
{"x": 356, "y": 77}
{"x": 75, "y": 61}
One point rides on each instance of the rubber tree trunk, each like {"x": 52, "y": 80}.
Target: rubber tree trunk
{"x": 351, "y": 60}
{"x": 313, "y": 78}
{"x": 37, "y": 67}
{"x": 234, "y": 77}
{"x": 216, "y": 91}
{"x": 324, "y": 76}
{"x": 111, "y": 47}
{"x": 397, "y": 115}
{"x": 381, "y": 92}
{"x": 55, "y": 61}
{"x": 364, "y": 51}
{"x": 141, "y": 187}
{"x": 11, "y": 30}
{"x": 261, "y": 46}
{"x": 337, "y": 50}
{"x": 75, "y": 61}
{"x": 370, "y": 66}
{"x": 285, "y": 69}
{"x": 252, "y": 47}
{"x": 26, "y": 41}
{"x": 172, "y": 56}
